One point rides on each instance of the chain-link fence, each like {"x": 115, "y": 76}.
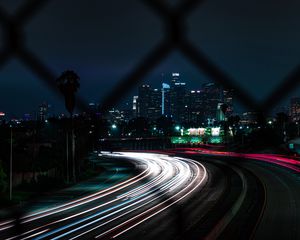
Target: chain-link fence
{"x": 175, "y": 38}
{"x": 174, "y": 20}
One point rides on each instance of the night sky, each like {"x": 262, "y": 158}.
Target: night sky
{"x": 256, "y": 42}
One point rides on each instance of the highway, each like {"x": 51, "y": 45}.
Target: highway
{"x": 278, "y": 211}
{"x": 180, "y": 194}
{"x": 162, "y": 183}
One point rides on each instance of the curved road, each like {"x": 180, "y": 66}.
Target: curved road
{"x": 163, "y": 182}
{"x": 279, "y": 216}
{"x": 191, "y": 195}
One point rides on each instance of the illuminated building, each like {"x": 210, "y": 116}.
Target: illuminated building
{"x": 165, "y": 100}
{"x": 154, "y": 108}
{"x": 228, "y": 99}
{"x": 144, "y": 93}
{"x": 135, "y": 106}
{"x": 149, "y": 102}
{"x": 220, "y": 113}
{"x": 295, "y": 109}
{"x": 178, "y": 99}
{"x": 249, "y": 118}
{"x": 2, "y": 117}
{"x": 212, "y": 96}
{"x": 43, "y": 111}
{"x": 196, "y": 107}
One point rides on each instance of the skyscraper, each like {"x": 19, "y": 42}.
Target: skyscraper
{"x": 154, "y": 109}
{"x": 143, "y": 100}
{"x": 178, "y": 98}
{"x": 295, "y": 109}
{"x": 149, "y": 102}
{"x": 165, "y": 100}
{"x": 43, "y": 111}
{"x": 196, "y": 108}
{"x": 228, "y": 95}
{"x": 212, "y": 96}
{"x": 135, "y": 109}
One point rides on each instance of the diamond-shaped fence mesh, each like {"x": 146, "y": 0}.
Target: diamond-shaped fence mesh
{"x": 174, "y": 20}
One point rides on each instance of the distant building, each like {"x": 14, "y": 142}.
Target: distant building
{"x": 228, "y": 96}
{"x": 28, "y": 117}
{"x": 2, "y": 117}
{"x": 93, "y": 108}
{"x": 43, "y": 111}
{"x": 212, "y": 96}
{"x": 249, "y": 118}
{"x": 149, "y": 102}
{"x": 178, "y": 99}
{"x": 135, "y": 108}
{"x": 196, "y": 107}
{"x": 165, "y": 100}
{"x": 295, "y": 109}
{"x": 154, "y": 109}
{"x": 144, "y": 93}
{"x": 220, "y": 113}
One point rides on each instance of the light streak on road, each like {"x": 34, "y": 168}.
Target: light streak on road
{"x": 281, "y": 160}
{"x": 163, "y": 182}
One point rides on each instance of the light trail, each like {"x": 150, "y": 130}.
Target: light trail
{"x": 281, "y": 160}
{"x": 164, "y": 182}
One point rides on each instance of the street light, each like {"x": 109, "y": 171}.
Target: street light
{"x": 177, "y": 128}
{"x": 114, "y": 126}
{"x": 10, "y": 163}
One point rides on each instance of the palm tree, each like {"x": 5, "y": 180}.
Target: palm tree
{"x": 68, "y": 84}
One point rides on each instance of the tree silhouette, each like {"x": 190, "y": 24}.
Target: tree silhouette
{"x": 68, "y": 84}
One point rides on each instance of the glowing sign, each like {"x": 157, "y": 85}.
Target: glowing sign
{"x": 201, "y": 131}
{"x": 196, "y": 131}
{"x": 215, "y": 132}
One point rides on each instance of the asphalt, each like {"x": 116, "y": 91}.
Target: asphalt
{"x": 166, "y": 197}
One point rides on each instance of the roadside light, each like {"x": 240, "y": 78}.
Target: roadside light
{"x": 154, "y": 129}
{"x": 270, "y": 122}
{"x": 177, "y": 128}
{"x": 114, "y": 126}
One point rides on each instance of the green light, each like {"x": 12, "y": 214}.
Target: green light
{"x": 215, "y": 140}
{"x": 177, "y": 128}
{"x": 179, "y": 140}
{"x": 196, "y": 140}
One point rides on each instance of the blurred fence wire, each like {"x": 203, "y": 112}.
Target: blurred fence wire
{"x": 174, "y": 19}
{"x": 175, "y": 38}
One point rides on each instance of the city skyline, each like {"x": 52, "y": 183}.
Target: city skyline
{"x": 241, "y": 48}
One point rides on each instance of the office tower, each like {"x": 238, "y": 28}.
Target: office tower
{"x": 295, "y": 109}
{"x": 178, "y": 98}
{"x": 196, "y": 108}
{"x": 220, "y": 114}
{"x": 228, "y": 95}
{"x": 43, "y": 111}
{"x": 2, "y": 117}
{"x": 165, "y": 100}
{"x": 212, "y": 96}
{"x": 149, "y": 102}
{"x": 144, "y": 93}
{"x": 135, "y": 108}
{"x": 154, "y": 108}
